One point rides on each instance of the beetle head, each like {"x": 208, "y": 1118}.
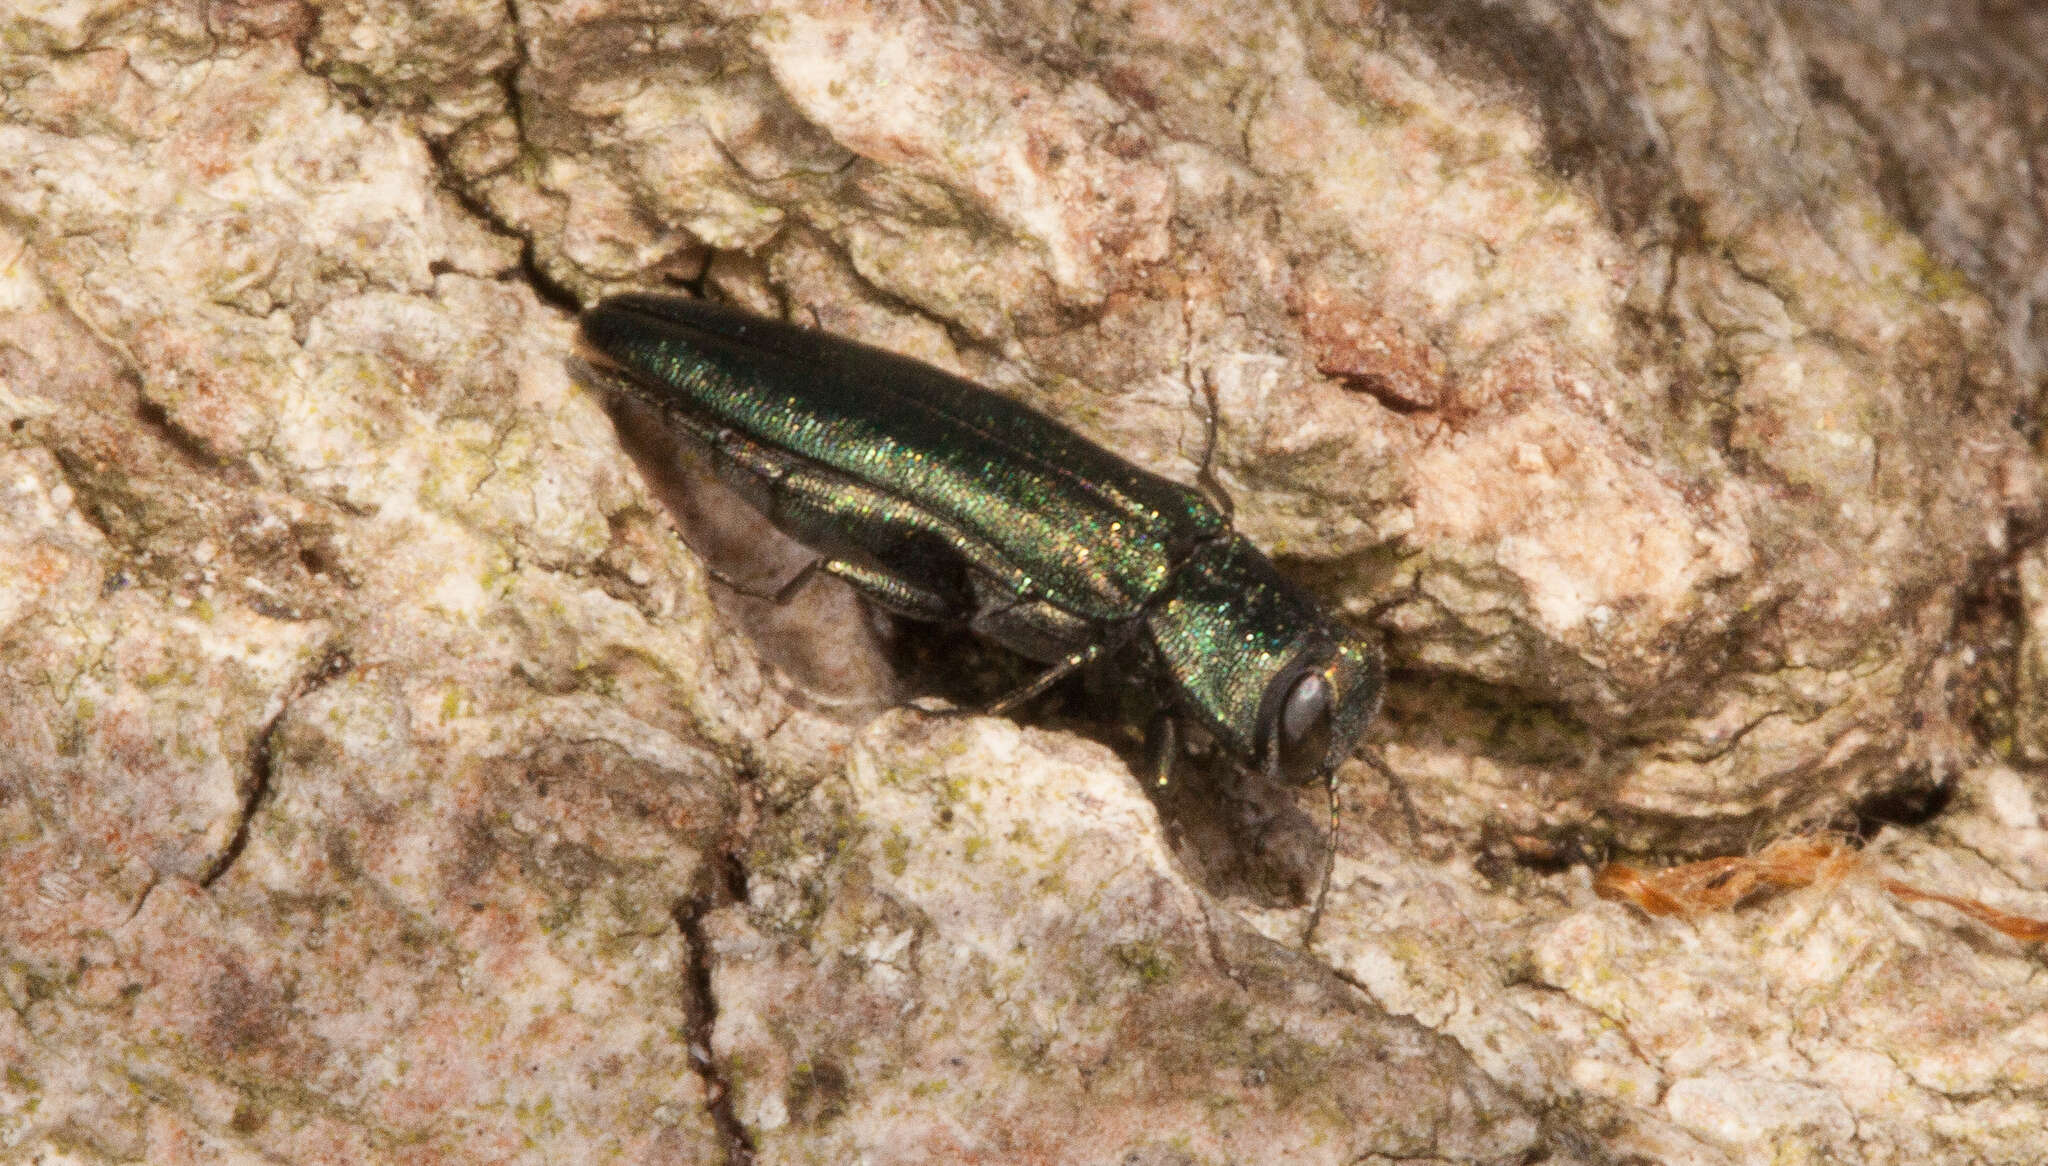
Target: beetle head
{"x": 1314, "y": 713}
{"x": 1281, "y": 684}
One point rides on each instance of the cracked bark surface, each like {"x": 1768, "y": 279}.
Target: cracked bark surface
{"x": 380, "y": 781}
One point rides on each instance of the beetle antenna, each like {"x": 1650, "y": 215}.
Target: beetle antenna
{"x": 1315, "y": 914}
{"x": 1205, "y": 473}
{"x": 1408, "y": 814}
{"x": 1400, "y": 788}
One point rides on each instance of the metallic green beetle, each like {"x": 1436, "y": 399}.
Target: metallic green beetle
{"x": 940, "y": 500}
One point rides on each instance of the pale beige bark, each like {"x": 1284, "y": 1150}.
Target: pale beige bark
{"x": 380, "y": 782}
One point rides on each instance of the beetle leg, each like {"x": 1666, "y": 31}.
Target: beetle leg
{"x": 781, "y": 593}
{"x": 894, "y": 593}
{"x": 1046, "y": 679}
{"x": 1162, "y": 748}
{"x": 1031, "y": 627}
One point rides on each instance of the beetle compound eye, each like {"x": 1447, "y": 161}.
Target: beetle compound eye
{"x": 1305, "y": 727}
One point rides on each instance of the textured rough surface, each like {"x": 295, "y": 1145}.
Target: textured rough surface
{"x": 1833, "y": 1024}
{"x": 937, "y": 969}
{"x": 379, "y": 780}
{"x": 1582, "y": 349}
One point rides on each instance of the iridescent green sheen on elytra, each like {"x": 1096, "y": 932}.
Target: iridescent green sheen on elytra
{"x": 942, "y": 500}
{"x": 1093, "y": 529}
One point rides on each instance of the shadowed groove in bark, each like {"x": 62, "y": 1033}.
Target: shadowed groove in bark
{"x": 724, "y": 883}
{"x": 1581, "y": 82}
{"x": 549, "y": 289}
{"x": 262, "y": 758}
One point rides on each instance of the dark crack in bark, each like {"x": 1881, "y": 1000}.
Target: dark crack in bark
{"x": 262, "y": 758}
{"x": 546, "y": 286}
{"x": 724, "y": 883}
